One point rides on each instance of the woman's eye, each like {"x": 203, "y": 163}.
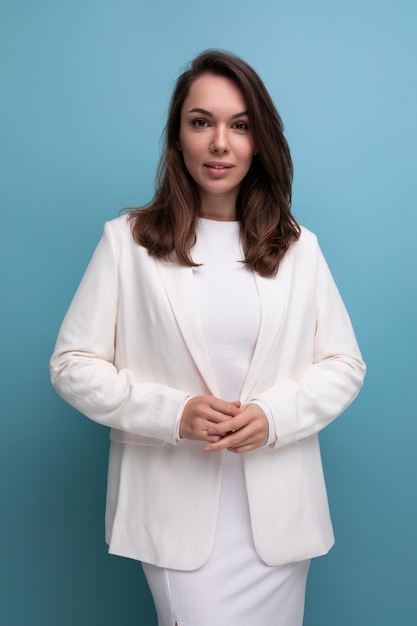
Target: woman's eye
{"x": 241, "y": 126}
{"x": 199, "y": 123}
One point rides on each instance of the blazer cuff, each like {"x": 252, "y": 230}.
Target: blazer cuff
{"x": 178, "y": 419}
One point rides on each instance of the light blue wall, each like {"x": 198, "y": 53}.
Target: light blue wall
{"x": 84, "y": 91}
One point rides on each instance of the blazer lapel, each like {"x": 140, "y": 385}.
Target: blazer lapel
{"x": 179, "y": 286}
{"x": 273, "y": 297}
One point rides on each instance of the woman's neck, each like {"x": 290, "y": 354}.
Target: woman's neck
{"x": 221, "y": 207}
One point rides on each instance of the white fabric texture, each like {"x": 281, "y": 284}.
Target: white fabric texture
{"x": 131, "y": 349}
{"x": 234, "y": 587}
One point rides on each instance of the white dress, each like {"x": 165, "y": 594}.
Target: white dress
{"x": 233, "y": 587}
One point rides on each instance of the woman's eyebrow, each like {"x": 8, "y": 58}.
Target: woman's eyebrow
{"x": 208, "y": 114}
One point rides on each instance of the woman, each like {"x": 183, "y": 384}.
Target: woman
{"x": 209, "y": 335}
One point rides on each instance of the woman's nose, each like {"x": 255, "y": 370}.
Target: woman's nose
{"x": 219, "y": 142}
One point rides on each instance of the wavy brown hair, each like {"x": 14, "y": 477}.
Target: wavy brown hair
{"x": 166, "y": 226}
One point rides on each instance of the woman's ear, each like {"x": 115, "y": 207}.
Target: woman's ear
{"x": 178, "y": 144}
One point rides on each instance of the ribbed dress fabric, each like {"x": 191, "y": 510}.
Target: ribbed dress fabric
{"x": 233, "y": 587}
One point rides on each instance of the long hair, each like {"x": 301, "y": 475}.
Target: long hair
{"x": 167, "y": 225}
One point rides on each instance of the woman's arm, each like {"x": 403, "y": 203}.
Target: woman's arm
{"x": 82, "y": 368}
{"x": 303, "y": 406}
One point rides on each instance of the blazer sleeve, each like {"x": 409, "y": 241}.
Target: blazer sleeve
{"x": 82, "y": 366}
{"x": 302, "y": 406}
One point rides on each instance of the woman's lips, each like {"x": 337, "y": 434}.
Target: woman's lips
{"x": 217, "y": 167}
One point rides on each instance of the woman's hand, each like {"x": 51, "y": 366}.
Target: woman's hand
{"x": 246, "y": 431}
{"x": 203, "y": 413}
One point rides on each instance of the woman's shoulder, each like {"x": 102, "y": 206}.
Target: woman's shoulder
{"x": 305, "y": 250}
{"x": 118, "y": 226}
{"x": 307, "y": 240}
{"x": 307, "y": 235}
{"x": 118, "y": 233}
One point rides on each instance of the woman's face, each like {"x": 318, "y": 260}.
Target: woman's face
{"x": 215, "y": 137}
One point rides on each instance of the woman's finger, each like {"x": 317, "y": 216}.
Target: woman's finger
{"x": 201, "y": 413}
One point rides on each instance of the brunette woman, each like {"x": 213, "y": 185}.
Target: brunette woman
{"x": 209, "y": 335}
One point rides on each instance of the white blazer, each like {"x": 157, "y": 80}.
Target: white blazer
{"x": 131, "y": 349}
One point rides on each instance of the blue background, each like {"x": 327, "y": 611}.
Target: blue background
{"x": 85, "y": 88}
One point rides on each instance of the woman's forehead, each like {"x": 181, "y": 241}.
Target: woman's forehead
{"x": 215, "y": 93}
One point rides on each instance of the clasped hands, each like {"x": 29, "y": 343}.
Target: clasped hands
{"x": 224, "y": 424}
